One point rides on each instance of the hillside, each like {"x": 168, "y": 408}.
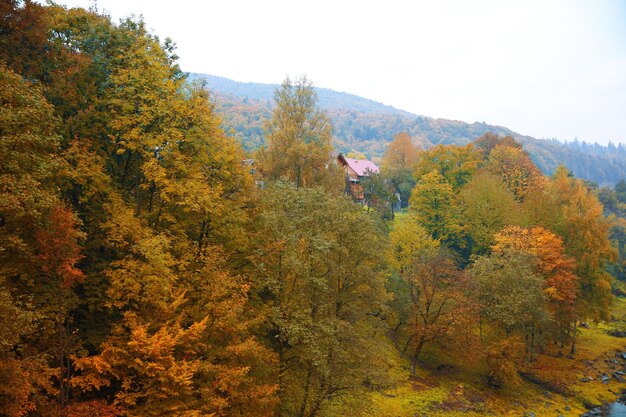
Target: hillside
{"x": 144, "y": 270}
{"x": 327, "y": 99}
{"x": 366, "y": 126}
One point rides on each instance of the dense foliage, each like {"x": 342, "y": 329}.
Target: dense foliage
{"x": 147, "y": 270}
{"x": 367, "y": 127}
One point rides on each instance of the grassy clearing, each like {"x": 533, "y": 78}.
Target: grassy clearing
{"x": 461, "y": 389}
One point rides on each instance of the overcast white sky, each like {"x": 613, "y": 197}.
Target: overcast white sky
{"x": 546, "y": 68}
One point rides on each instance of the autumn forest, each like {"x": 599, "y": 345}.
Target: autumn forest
{"x": 149, "y": 266}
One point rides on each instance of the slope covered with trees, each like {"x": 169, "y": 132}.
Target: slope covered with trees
{"x": 146, "y": 271}
{"x": 365, "y": 126}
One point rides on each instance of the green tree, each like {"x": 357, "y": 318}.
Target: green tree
{"x": 511, "y": 300}
{"x": 409, "y": 242}
{"x": 432, "y": 204}
{"x": 379, "y": 195}
{"x": 29, "y": 161}
{"x": 618, "y": 237}
{"x": 611, "y": 204}
{"x": 487, "y": 206}
{"x": 620, "y": 191}
{"x": 319, "y": 260}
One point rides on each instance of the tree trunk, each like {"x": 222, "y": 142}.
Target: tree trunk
{"x": 532, "y": 343}
{"x": 526, "y": 347}
{"x": 61, "y": 366}
{"x": 281, "y": 381}
{"x": 305, "y": 397}
{"x": 416, "y": 355}
{"x": 572, "y": 351}
{"x": 298, "y": 177}
{"x": 62, "y": 353}
{"x": 318, "y": 401}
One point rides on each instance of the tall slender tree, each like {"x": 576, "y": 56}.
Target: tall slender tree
{"x": 399, "y": 162}
{"x": 298, "y": 139}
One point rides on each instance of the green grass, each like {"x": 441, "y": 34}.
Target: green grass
{"x": 463, "y": 391}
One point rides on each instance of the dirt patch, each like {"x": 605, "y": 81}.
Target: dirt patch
{"x": 420, "y": 384}
{"x": 558, "y": 387}
{"x": 462, "y": 399}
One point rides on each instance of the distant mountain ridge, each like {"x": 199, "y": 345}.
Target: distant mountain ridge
{"x": 327, "y": 98}
{"x": 366, "y": 126}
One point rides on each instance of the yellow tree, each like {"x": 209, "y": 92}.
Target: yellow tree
{"x": 567, "y": 207}
{"x": 585, "y": 231}
{"x": 399, "y": 163}
{"x": 486, "y": 206}
{"x": 164, "y": 317}
{"x": 299, "y": 139}
{"x": 454, "y": 163}
{"x": 512, "y": 301}
{"x": 29, "y": 167}
{"x": 167, "y": 195}
{"x": 409, "y": 241}
{"x": 561, "y": 286}
{"x": 432, "y": 204}
{"x": 518, "y": 172}
{"x": 29, "y": 161}
{"x": 487, "y": 142}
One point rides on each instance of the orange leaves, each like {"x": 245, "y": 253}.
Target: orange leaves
{"x": 93, "y": 373}
{"x": 547, "y": 246}
{"x": 93, "y": 408}
{"x": 503, "y": 360}
{"x": 164, "y": 326}
{"x": 401, "y": 154}
{"x": 487, "y": 142}
{"x": 183, "y": 346}
{"x": 561, "y": 285}
{"x": 58, "y": 247}
{"x": 516, "y": 169}
{"x": 154, "y": 368}
{"x": 438, "y": 309}
{"x": 15, "y": 389}
{"x": 578, "y": 217}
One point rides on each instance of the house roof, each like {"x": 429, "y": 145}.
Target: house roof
{"x": 361, "y": 166}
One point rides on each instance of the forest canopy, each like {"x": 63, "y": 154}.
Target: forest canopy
{"x": 148, "y": 267}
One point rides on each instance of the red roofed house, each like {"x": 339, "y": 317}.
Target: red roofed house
{"x": 355, "y": 170}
